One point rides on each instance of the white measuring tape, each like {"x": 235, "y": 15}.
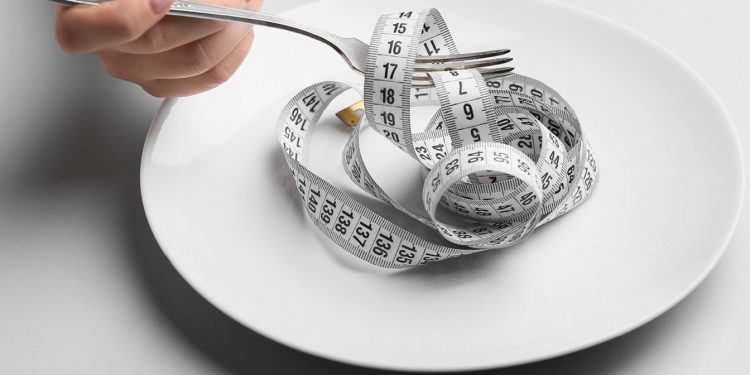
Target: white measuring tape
{"x": 507, "y": 154}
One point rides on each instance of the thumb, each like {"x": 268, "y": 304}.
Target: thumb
{"x": 93, "y": 28}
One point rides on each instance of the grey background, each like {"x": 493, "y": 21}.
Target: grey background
{"x": 84, "y": 287}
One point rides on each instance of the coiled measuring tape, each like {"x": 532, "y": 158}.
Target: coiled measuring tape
{"x": 507, "y": 154}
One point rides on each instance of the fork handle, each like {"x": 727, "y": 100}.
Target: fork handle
{"x": 188, "y": 8}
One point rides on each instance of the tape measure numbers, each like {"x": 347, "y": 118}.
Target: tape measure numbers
{"x": 507, "y": 154}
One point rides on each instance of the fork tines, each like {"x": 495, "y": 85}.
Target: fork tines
{"x": 487, "y": 62}
{"x": 421, "y": 60}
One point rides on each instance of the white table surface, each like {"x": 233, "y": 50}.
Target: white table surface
{"x": 85, "y": 289}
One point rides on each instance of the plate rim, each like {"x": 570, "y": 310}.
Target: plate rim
{"x": 166, "y": 105}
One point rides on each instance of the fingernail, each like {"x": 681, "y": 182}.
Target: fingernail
{"x": 160, "y": 6}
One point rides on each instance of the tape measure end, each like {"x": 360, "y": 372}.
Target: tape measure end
{"x": 352, "y": 115}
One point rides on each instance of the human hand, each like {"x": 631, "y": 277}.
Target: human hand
{"x": 166, "y": 56}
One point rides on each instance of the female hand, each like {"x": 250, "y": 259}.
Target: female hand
{"x": 167, "y": 56}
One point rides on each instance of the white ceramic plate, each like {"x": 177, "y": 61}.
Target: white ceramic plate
{"x": 219, "y": 200}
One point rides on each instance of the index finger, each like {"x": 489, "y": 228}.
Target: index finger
{"x": 88, "y": 28}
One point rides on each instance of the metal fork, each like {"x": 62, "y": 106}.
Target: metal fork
{"x": 352, "y": 50}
